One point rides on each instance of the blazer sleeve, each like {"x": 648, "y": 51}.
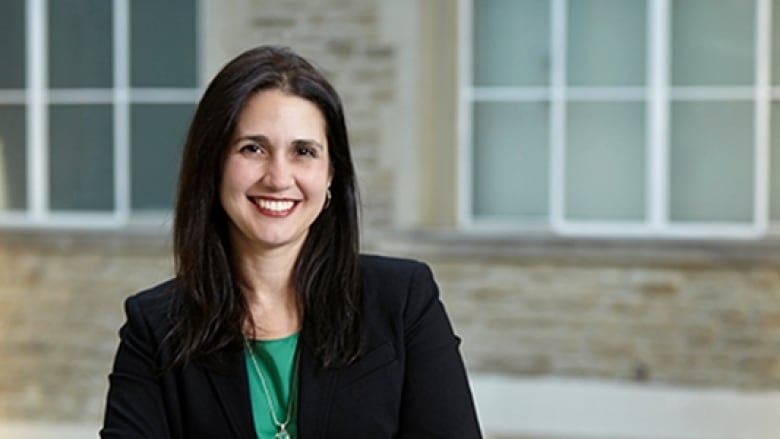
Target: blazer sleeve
{"x": 134, "y": 406}
{"x": 437, "y": 400}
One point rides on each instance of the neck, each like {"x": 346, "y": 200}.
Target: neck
{"x": 266, "y": 279}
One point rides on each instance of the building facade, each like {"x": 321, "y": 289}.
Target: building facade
{"x": 591, "y": 181}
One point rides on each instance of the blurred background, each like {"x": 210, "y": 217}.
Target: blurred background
{"x": 595, "y": 183}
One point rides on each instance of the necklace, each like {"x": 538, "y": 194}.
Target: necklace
{"x": 282, "y": 432}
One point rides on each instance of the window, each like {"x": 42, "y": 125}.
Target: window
{"x": 620, "y": 117}
{"x": 95, "y": 97}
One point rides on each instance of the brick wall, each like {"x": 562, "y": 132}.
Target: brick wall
{"x": 60, "y": 308}
{"x": 690, "y": 314}
{"x": 714, "y": 327}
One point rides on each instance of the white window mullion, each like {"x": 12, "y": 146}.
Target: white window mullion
{"x": 80, "y": 96}
{"x": 558, "y": 35}
{"x": 121, "y": 110}
{"x": 658, "y": 115}
{"x": 510, "y": 94}
{"x": 37, "y": 115}
{"x": 762, "y": 113}
{"x": 13, "y": 97}
{"x": 465, "y": 115}
{"x": 203, "y": 72}
{"x": 163, "y": 95}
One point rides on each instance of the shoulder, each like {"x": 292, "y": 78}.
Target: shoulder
{"x": 154, "y": 299}
{"x": 152, "y": 307}
{"x": 397, "y": 283}
{"x": 385, "y": 267}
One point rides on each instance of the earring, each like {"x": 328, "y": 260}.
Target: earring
{"x": 327, "y": 199}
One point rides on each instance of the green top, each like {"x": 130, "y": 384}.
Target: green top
{"x": 275, "y": 359}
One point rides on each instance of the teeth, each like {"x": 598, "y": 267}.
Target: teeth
{"x": 276, "y": 206}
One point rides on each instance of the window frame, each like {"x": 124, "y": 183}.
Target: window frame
{"x": 36, "y": 97}
{"x": 658, "y": 95}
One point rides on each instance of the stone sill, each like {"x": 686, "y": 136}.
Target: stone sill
{"x": 547, "y": 248}
{"x": 453, "y": 245}
{"x": 118, "y": 240}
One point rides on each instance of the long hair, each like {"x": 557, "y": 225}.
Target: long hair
{"x": 209, "y": 307}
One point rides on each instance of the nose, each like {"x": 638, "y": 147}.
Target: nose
{"x": 278, "y": 174}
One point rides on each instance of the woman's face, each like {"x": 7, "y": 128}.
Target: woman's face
{"x": 277, "y": 172}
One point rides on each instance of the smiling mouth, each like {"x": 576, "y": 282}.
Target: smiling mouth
{"x": 273, "y": 207}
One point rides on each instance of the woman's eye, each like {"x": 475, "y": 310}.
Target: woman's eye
{"x": 306, "y": 151}
{"x": 251, "y": 149}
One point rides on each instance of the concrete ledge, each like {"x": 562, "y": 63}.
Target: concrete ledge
{"x": 595, "y": 409}
{"x": 572, "y": 409}
{"x": 547, "y": 248}
{"x": 48, "y": 430}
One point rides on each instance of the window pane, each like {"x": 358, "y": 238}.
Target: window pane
{"x": 163, "y": 43}
{"x": 712, "y": 42}
{"x": 81, "y": 157}
{"x": 158, "y": 132}
{"x": 511, "y": 159}
{"x": 13, "y": 158}
{"x": 12, "y": 42}
{"x": 605, "y": 161}
{"x": 774, "y": 170}
{"x": 511, "y": 42}
{"x": 606, "y": 42}
{"x": 711, "y": 161}
{"x": 80, "y": 43}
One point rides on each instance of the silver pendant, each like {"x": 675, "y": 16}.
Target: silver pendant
{"x": 283, "y": 434}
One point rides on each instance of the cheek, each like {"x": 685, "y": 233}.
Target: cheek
{"x": 233, "y": 179}
{"x": 310, "y": 173}
{"x": 229, "y": 191}
{"x": 317, "y": 182}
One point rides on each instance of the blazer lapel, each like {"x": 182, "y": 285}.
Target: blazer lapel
{"x": 315, "y": 393}
{"x": 232, "y": 389}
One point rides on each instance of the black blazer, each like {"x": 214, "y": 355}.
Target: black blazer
{"x": 409, "y": 382}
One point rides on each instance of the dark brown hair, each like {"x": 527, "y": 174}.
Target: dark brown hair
{"x": 209, "y": 307}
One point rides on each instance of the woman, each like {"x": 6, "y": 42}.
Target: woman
{"x": 274, "y": 325}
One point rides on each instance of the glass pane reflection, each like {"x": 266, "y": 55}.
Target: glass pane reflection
{"x": 511, "y": 160}
{"x": 511, "y": 42}
{"x": 712, "y": 42}
{"x": 711, "y": 159}
{"x": 12, "y": 44}
{"x": 607, "y": 42}
{"x": 13, "y": 158}
{"x": 158, "y": 133}
{"x": 80, "y": 43}
{"x": 605, "y": 161}
{"x": 162, "y": 44}
{"x": 774, "y": 169}
{"x": 81, "y": 157}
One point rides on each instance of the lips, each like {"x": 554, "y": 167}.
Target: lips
{"x": 274, "y": 207}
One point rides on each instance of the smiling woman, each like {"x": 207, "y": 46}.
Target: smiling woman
{"x": 275, "y": 325}
{"x": 277, "y": 172}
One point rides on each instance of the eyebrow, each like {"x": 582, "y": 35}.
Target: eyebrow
{"x": 308, "y": 142}
{"x": 261, "y": 139}
{"x": 257, "y": 138}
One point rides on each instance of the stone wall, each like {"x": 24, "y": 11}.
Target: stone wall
{"x": 689, "y": 314}
{"x": 61, "y": 298}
